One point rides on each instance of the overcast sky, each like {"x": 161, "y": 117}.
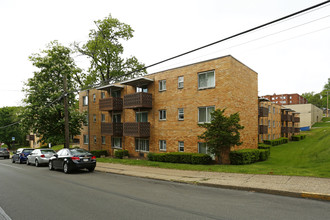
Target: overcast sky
{"x": 290, "y": 57}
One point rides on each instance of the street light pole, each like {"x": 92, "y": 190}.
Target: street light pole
{"x": 66, "y": 112}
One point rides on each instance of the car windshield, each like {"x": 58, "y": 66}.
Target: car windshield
{"x": 47, "y": 151}
{"x": 3, "y": 149}
{"x": 78, "y": 151}
{"x": 28, "y": 150}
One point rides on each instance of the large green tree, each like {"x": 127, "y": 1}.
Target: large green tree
{"x": 222, "y": 132}
{"x": 44, "y": 110}
{"x": 318, "y": 99}
{"x": 105, "y": 50}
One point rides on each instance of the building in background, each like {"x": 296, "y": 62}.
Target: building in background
{"x": 160, "y": 112}
{"x": 286, "y": 99}
{"x": 309, "y": 115}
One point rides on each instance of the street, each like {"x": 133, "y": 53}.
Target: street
{"x": 28, "y": 192}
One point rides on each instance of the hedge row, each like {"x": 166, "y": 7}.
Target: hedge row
{"x": 121, "y": 153}
{"x": 282, "y": 140}
{"x": 263, "y": 146}
{"x": 99, "y": 153}
{"x": 298, "y": 137}
{"x": 248, "y": 156}
{"x": 179, "y": 157}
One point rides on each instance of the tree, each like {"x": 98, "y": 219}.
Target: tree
{"x": 104, "y": 49}
{"x": 10, "y": 127}
{"x": 44, "y": 111}
{"x": 313, "y": 98}
{"x": 222, "y": 133}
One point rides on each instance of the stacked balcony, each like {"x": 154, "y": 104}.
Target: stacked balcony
{"x": 113, "y": 129}
{"x": 263, "y": 129}
{"x": 284, "y": 117}
{"x": 296, "y": 119}
{"x": 263, "y": 112}
{"x": 111, "y": 104}
{"x": 296, "y": 130}
{"x": 138, "y": 100}
{"x": 137, "y": 129}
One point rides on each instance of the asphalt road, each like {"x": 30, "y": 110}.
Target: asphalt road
{"x": 28, "y": 192}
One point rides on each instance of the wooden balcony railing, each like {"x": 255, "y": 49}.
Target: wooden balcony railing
{"x": 113, "y": 129}
{"x": 137, "y": 129}
{"x": 296, "y": 130}
{"x": 284, "y": 117}
{"x": 263, "y": 129}
{"x": 296, "y": 119}
{"x": 111, "y": 104}
{"x": 138, "y": 100}
{"x": 263, "y": 112}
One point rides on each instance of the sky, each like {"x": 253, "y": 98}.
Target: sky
{"x": 290, "y": 57}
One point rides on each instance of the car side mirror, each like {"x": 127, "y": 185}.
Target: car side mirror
{"x": 55, "y": 155}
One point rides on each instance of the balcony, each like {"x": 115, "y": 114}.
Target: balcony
{"x": 113, "y": 129}
{"x": 296, "y": 130}
{"x": 296, "y": 119}
{"x": 111, "y": 104}
{"x": 284, "y": 130}
{"x": 263, "y": 112}
{"x": 263, "y": 129}
{"x": 137, "y": 129}
{"x": 138, "y": 100}
{"x": 284, "y": 117}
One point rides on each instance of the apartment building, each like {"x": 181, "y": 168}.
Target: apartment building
{"x": 276, "y": 121}
{"x": 286, "y": 99}
{"x": 160, "y": 112}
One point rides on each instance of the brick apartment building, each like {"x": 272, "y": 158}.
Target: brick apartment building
{"x": 160, "y": 112}
{"x": 286, "y": 99}
{"x": 276, "y": 121}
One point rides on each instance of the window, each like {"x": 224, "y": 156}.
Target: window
{"x": 162, "y": 145}
{"x": 116, "y": 94}
{"x": 180, "y": 82}
{"x": 206, "y": 80}
{"x": 116, "y": 142}
{"x": 180, "y": 114}
{"x": 142, "y": 89}
{"x": 290, "y": 97}
{"x": 102, "y": 95}
{"x": 116, "y": 118}
{"x": 86, "y": 122}
{"x": 269, "y": 111}
{"x": 94, "y": 97}
{"x": 103, "y": 139}
{"x": 141, "y": 144}
{"x": 94, "y": 139}
{"x": 203, "y": 149}
{"x": 162, "y": 115}
{"x": 141, "y": 116}
{"x": 261, "y": 122}
{"x": 273, "y": 98}
{"x": 273, "y": 136}
{"x": 274, "y": 124}
{"x": 94, "y": 118}
{"x": 162, "y": 85}
{"x": 181, "y": 146}
{"x": 269, "y": 123}
{"x": 85, "y": 100}
{"x": 85, "y": 139}
{"x": 102, "y": 117}
{"x": 274, "y": 110}
{"x": 290, "y": 101}
{"x": 204, "y": 114}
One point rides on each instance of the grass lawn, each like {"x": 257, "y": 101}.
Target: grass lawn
{"x": 308, "y": 157}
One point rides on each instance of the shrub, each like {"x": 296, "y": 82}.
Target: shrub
{"x": 99, "y": 153}
{"x": 121, "y": 153}
{"x": 180, "y": 157}
{"x": 298, "y": 137}
{"x": 282, "y": 140}
{"x": 263, "y": 146}
{"x": 245, "y": 156}
{"x": 200, "y": 159}
{"x": 264, "y": 154}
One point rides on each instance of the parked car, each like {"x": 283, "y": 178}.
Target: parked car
{"x": 72, "y": 159}
{"x": 4, "y": 152}
{"x": 40, "y": 156}
{"x": 21, "y": 154}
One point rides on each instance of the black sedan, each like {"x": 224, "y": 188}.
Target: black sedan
{"x": 72, "y": 159}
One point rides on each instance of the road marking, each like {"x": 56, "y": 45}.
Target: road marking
{"x": 11, "y": 166}
{"x": 3, "y": 215}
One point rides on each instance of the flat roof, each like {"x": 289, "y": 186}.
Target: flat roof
{"x": 110, "y": 86}
{"x": 141, "y": 81}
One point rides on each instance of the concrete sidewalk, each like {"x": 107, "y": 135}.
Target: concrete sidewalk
{"x": 295, "y": 186}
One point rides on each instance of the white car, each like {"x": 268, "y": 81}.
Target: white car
{"x": 40, "y": 156}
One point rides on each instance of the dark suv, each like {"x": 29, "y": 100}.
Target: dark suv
{"x": 4, "y": 152}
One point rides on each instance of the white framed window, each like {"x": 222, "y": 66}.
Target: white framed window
{"x": 206, "y": 80}
{"x": 94, "y": 97}
{"x": 162, "y": 85}
{"x": 269, "y": 109}
{"x": 181, "y": 146}
{"x": 180, "y": 114}
{"x": 116, "y": 142}
{"x": 273, "y": 98}
{"x": 142, "y": 145}
{"x": 85, "y": 139}
{"x": 162, "y": 115}
{"x": 203, "y": 149}
{"x": 94, "y": 118}
{"x": 290, "y": 97}
{"x": 269, "y": 123}
{"x": 103, "y": 139}
{"x": 94, "y": 139}
{"x": 180, "y": 82}
{"x": 162, "y": 145}
{"x": 102, "y": 117}
{"x": 204, "y": 114}
{"x": 85, "y": 100}
{"x": 102, "y": 95}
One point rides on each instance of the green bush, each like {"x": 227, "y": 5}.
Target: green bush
{"x": 121, "y": 153}
{"x": 180, "y": 157}
{"x": 275, "y": 142}
{"x": 245, "y": 156}
{"x": 99, "y": 153}
{"x": 263, "y": 154}
{"x": 263, "y": 146}
{"x": 298, "y": 137}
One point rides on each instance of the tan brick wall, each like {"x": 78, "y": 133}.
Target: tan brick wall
{"x": 235, "y": 89}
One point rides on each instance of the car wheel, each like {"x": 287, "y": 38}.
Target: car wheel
{"x": 91, "y": 169}
{"x": 37, "y": 163}
{"x": 27, "y": 162}
{"x": 50, "y": 165}
{"x": 66, "y": 168}
{"x": 12, "y": 160}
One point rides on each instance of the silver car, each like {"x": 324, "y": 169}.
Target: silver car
{"x": 4, "y": 152}
{"x": 40, "y": 156}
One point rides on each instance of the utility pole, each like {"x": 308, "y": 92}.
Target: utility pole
{"x": 66, "y": 112}
{"x": 327, "y": 102}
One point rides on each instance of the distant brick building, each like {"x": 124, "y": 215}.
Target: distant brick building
{"x": 286, "y": 99}
{"x": 160, "y": 112}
